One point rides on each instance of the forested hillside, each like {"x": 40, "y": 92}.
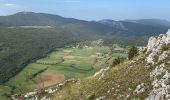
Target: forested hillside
{"x": 26, "y": 36}
{"x": 19, "y": 46}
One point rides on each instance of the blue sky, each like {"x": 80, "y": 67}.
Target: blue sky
{"x": 92, "y": 9}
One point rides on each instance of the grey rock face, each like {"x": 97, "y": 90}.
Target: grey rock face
{"x": 157, "y": 56}
{"x": 155, "y": 48}
{"x": 139, "y": 89}
{"x": 151, "y": 43}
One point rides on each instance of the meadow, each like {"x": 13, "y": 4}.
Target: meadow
{"x": 55, "y": 68}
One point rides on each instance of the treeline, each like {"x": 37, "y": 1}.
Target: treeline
{"x": 29, "y": 77}
{"x": 18, "y": 47}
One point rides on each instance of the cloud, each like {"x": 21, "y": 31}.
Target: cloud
{"x": 9, "y": 5}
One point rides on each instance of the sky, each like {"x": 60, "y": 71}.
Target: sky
{"x": 91, "y": 9}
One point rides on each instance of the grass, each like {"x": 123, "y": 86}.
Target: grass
{"x": 88, "y": 52}
{"x": 72, "y": 63}
{"x": 80, "y": 65}
{"x": 3, "y": 90}
{"x": 119, "y": 82}
{"x": 115, "y": 55}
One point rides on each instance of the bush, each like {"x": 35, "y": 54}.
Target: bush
{"x": 133, "y": 51}
{"x": 144, "y": 51}
{"x": 166, "y": 47}
{"x": 118, "y": 60}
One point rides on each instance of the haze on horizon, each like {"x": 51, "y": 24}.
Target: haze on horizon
{"x": 91, "y": 9}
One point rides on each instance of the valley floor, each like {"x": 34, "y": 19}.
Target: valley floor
{"x": 56, "y": 68}
{"x": 117, "y": 83}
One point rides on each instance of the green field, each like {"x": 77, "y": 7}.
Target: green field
{"x": 68, "y": 63}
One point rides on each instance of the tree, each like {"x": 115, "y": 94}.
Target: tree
{"x": 118, "y": 60}
{"x": 133, "y": 51}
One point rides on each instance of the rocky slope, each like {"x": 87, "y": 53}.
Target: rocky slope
{"x": 158, "y": 51}
{"x": 145, "y": 77}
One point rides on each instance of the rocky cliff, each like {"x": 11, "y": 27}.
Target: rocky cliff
{"x": 158, "y": 58}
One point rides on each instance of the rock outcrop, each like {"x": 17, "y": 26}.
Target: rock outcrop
{"x": 158, "y": 48}
{"x": 157, "y": 58}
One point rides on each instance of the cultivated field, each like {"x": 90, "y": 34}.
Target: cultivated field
{"x": 56, "y": 68}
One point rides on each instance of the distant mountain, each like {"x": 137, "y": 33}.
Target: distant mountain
{"x": 129, "y": 27}
{"x": 153, "y": 22}
{"x": 112, "y": 23}
{"x": 114, "y": 30}
{"x": 42, "y": 19}
{"x": 31, "y": 18}
{"x": 134, "y": 27}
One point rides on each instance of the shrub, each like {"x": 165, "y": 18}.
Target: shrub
{"x": 91, "y": 97}
{"x": 144, "y": 51}
{"x": 155, "y": 58}
{"x": 118, "y": 60}
{"x": 166, "y": 47}
{"x": 133, "y": 51}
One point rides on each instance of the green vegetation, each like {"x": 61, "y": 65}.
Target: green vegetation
{"x": 133, "y": 51}
{"x": 155, "y": 58}
{"x": 166, "y": 47}
{"x": 19, "y": 46}
{"x": 119, "y": 80}
{"x": 72, "y": 63}
{"x": 118, "y": 60}
{"x": 122, "y": 55}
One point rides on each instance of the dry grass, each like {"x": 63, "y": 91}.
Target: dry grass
{"x": 117, "y": 84}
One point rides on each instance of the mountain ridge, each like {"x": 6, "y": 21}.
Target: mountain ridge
{"x": 112, "y": 27}
{"x": 133, "y": 26}
{"x": 154, "y": 22}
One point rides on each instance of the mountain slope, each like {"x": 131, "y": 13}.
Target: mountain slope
{"x": 104, "y": 26}
{"x": 31, "y": 18}
{"x": 145, "y": 77}
{"x": 153, "y": 22}
{"x": 21, "y": 45}
{"x": 135, "y": 28}
{"x": 42, "y": 19}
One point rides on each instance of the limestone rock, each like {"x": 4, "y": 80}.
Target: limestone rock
{"x": 151, "y": 43}
{"x": 157, "y": 54}
{"x": 139, "y": 89}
